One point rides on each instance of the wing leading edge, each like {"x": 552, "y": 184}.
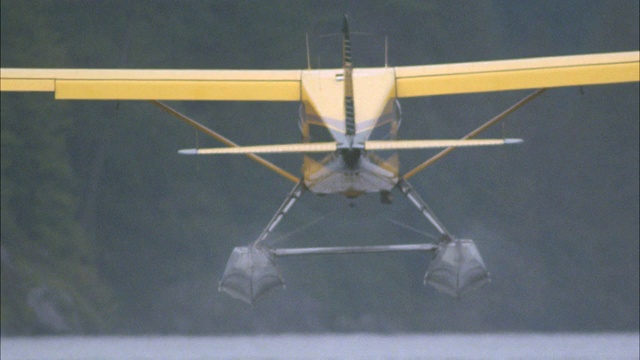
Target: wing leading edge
{"x": 285, "y": 85}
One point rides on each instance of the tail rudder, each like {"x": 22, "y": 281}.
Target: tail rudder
{"x": 349, "y": 108}
{"x": 346, "y": 44}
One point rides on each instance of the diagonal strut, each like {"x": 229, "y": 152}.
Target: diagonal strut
{"x": 417, "y": 201}
{"x": 474, "y": 133}
{"x": 293, "y": 196}
{"x": 224, "y": 140}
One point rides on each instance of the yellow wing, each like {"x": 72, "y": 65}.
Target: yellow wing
{"x": 285, "y": 85}
{"x": 531, "y": 73}
{"x": 88, "y": 84}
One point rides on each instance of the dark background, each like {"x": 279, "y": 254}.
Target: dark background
{"x": 105, "y": 229}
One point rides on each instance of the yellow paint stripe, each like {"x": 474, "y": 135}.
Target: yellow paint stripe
{"x": 518, "y": 74}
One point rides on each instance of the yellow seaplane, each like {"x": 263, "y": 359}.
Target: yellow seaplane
{"x": 356, "y": 109}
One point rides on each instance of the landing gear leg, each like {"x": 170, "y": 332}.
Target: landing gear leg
{"x": 293, "y": 196}
{"x": 413, "y": 196}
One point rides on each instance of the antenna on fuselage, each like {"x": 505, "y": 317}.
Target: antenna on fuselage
{"x": 306, "y": 35}
{"x": 386, "y": 51}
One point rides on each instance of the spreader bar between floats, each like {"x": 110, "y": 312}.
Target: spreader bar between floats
{"x": 353, "y": 249}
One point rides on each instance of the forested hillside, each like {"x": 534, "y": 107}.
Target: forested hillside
{"x": 106, "y": 229}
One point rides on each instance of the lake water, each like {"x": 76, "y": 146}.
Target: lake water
{"x": 356, "y": 346}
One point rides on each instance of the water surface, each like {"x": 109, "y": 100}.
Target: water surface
{"x": 333, "y": 346}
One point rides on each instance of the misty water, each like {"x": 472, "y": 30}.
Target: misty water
{"x": 352, "y": 346}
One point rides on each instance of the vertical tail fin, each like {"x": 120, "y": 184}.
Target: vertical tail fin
{"x": 346, "y": 44}
{"x": 349, "y": 110}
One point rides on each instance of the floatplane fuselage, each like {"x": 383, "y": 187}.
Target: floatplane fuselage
{"x": 357, "y": 109}
{"x": 353, "y": 106}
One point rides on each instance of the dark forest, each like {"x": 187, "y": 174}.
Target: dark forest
{"x": 107, "y": 230}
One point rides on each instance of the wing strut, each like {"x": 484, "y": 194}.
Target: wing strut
{"x": 224, "y": 140}
{"x": 475, "y": 132}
